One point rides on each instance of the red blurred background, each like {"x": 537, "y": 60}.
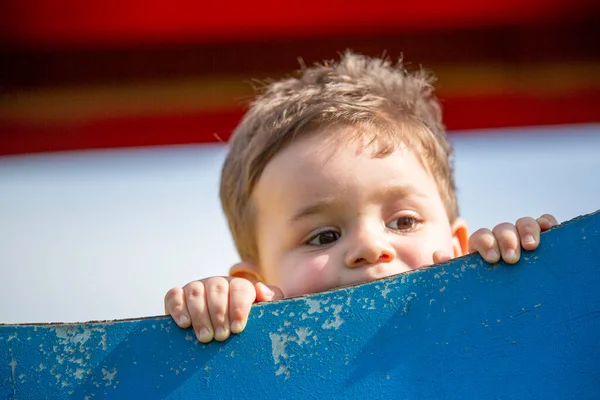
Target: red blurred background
{"x": 101, "y": 74}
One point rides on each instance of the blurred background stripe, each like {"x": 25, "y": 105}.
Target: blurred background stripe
{"x": 120, "y": 73}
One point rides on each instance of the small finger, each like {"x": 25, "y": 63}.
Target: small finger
{"x": 508, "y": 241}
{"x": 217, "y": 297}
{"x": 529, "y": 232}
{"x": 175, "y": 307}
{"x": 267, "y": 292}
{"x": 484, "y": 242}
{"x": 195, "y": 295}
{"x": 241, "y": 296}
{"x": 547, "y": 221}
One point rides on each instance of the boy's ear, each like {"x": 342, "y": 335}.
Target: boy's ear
{"x": 246, "y": 270}
{"x": 460, "y": 237}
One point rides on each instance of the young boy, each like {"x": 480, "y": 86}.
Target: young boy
{"x": 340, "y": 176}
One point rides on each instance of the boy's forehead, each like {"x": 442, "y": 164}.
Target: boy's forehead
{"x": 328, "y": 161}
{"x": 310, "y": 156}
{"x": 378, "y": 139}
{"x": 316, "y": 149}
{"x": 322, "y": 144}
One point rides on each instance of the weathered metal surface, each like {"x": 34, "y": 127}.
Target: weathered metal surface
{"x": 461, "y": 329}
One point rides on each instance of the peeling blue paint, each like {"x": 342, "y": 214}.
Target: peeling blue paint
{"x": 460, "y": 329}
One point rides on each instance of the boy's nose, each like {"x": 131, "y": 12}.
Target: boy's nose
{"x": 370, "y": 247}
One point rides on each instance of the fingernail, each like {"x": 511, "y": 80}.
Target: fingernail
{"x": 510, "y": 254}
{"x": 204, "y": 335}
{"x": 236, "y": 327}
{"x": 491, "y": 255}
{"x": 546, "y": 221}
{"x": 528, "y": 239}
{"x": 220, "y": 333}
{"x": 183, "y": 319}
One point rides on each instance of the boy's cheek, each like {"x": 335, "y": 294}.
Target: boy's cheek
{"x": 420, "y": 255}
{"x": 316, "y": 265}
{"x": 307, "y": 275}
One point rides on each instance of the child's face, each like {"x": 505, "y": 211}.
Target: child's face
{"x": 330, "y": 214}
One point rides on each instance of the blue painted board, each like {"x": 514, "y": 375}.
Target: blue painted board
{"x": 463, "y": 329}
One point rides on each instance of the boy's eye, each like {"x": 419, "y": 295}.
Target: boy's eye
{"x": 324, "y": 238}
{"x": 403, "y": 224}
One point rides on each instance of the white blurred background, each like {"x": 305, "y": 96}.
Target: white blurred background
{"x": 100, "y": 235}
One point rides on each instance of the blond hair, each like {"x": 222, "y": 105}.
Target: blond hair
{"x": 398, "y": 106}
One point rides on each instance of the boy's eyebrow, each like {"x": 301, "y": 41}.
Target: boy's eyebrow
{"x": 399, "y": 191}
{"x": 312, "y": 209}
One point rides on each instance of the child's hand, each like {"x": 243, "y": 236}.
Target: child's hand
{"x": 506, "y": 239}
{"x": 217, "y": 306}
